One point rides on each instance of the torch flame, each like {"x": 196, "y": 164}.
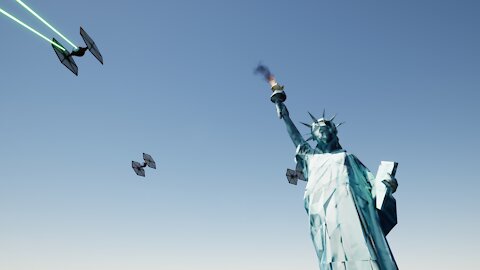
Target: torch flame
{"x": 272, "y": 81}
{"x": 263, "y": 70}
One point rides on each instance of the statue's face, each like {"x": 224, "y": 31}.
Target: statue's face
{"x": 324, "y": 131}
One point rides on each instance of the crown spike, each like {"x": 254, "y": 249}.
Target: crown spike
{"x": 313, "y": 117}
{"x": 323, "y": 114}
{"x": 305, "y": 124}
{"x": 331, "y": 119}
{"x": 340, "y": 124}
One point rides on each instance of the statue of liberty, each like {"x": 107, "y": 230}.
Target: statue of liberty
{"x": 350, "y": 210}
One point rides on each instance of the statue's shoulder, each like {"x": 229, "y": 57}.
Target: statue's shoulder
{"x": 304, "y": 149}
{"x": 352, "y": 159}
{"x": 352, "y": 156}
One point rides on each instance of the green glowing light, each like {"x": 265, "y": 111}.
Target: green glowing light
{"x": 45, "y": 22}
{"x": 31, "y": 29}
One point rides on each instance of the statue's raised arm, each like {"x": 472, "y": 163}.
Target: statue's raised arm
{"x": 278, "y": 98}
{"x": 292, "y": 130}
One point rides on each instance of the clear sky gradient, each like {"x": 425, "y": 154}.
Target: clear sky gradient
{"x": 178, "y": 84}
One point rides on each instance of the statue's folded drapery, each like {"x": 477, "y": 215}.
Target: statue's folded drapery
{"x": 345, "y": 226}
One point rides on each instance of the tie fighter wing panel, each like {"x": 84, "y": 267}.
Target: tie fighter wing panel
{"x": 65, "y": 57}
{"x": 292, "y": 176}
{"x": 138, "y": 168}
{"x": 149, "y": 161}
{"x": 91, "y": 45}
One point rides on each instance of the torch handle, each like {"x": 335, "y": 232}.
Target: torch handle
{"x": 281, "y": 110}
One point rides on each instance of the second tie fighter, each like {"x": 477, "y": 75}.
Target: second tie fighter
{"x": 139, "y": 168}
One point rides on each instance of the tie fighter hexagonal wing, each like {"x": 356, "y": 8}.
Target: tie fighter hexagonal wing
{"x": 149, "y": 161}
{"x": 292, "y": 177}
{"x": 65, "y": 57}
{"x": 91, "y": 45}
{"x": 138, "y": 168}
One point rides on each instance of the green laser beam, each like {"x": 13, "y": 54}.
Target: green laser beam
{"x": 45, "y": 22}
{"x": 31, "y": 29}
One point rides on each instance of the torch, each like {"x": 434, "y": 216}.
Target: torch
{"x": 278, "y": 94}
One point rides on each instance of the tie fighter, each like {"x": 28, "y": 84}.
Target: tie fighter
{"x": 66, "y": 58}
{"x": 139, "y": 168}
{"x": 294, "y": 175}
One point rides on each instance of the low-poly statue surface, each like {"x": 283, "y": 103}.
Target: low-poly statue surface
{"x": 350, "y": 210}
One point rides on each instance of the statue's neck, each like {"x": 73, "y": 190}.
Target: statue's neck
{"x": 328, "y": 147}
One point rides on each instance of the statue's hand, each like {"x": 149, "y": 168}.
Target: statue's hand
{"x": 391, "y": 183}
{"x": 281, "y": 110}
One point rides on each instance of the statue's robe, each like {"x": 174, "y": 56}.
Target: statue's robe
{"x": 345, "y": 225}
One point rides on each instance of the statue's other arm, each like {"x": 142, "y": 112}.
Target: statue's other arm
{"x": 291, "y": 128}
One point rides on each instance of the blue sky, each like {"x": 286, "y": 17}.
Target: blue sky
{"x": 178, "y": 84}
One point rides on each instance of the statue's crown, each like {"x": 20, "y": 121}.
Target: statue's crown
{"x": 319, "y": 122}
